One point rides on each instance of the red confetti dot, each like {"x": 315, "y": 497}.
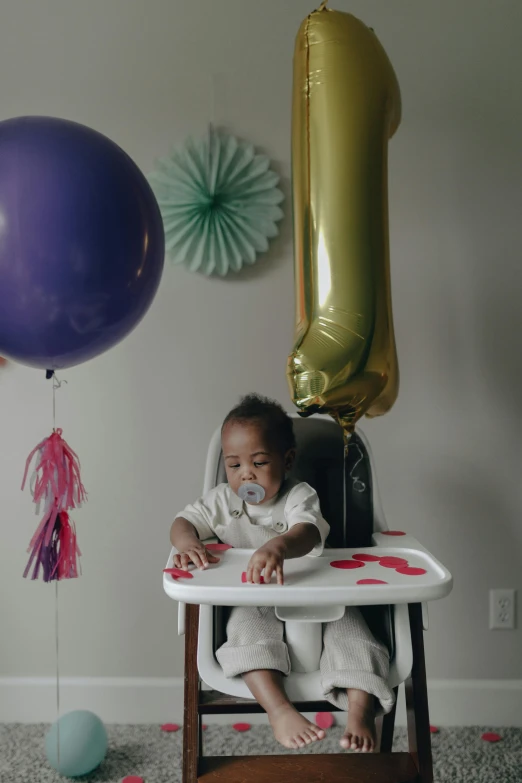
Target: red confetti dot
{"x": 218, "y": 547}
{"x": 371, "y": 582}
{"x": 204, "y": 727}
{"x": 325, "y": 720}
{"x": 244, "y": 578}
{"x": 393, "y": 562}
{"x": 364, "y": 558}
{"x": 132, "y": 779}
{"x": 178, "y": 573}
{"x": 170, "y": 727}
{"x": 346, "y": 564}
{"x": 491, "y": 736}
{"x": 392, "y": 533}
{"x": 410, "y": 571}
{"x": 434, "y": 730}
{"x": 241, "y": 726}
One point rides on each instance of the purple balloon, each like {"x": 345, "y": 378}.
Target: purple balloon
{"x": 81, "y": 243}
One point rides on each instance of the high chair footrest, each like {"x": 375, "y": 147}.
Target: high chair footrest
{"x": 216, "y": 703}
{"x": 312, "y": 768}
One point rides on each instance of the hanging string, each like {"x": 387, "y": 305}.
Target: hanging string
{"x": 51, "y": 375}
{"x": 56, "y": 385}
{"x": 57, "y": 637}
{"x": 213, "y": 100}
{"x": 217, "y": 98}
{"x": 346, "y": 439}
{"x": 345, "y": 499}
{"x": 358, "y": 484}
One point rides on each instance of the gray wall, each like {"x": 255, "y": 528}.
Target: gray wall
{"x": 140, "y": 417}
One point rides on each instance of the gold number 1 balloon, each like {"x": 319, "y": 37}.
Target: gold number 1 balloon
{"x": 346, "y": 105}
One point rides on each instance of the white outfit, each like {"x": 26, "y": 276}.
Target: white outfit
{"x": 351, "y": 657}
{"x": 223, "y": 514}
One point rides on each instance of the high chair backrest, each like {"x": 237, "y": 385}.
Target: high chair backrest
{"x": 320, "y": 462}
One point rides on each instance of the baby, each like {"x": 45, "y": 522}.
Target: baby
{"x": 259, "y": 448}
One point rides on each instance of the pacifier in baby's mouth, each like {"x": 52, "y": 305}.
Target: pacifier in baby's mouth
{"x": 251, "y": 493}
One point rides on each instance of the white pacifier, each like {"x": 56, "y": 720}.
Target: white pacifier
{"x": 251, "y": 493}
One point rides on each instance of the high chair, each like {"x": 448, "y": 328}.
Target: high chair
{"x": 312, "y": 594}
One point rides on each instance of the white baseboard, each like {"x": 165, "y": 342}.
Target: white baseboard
{"x": 158, "y": 700}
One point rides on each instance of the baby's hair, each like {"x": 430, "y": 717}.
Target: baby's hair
{"x": 277, "y": 423}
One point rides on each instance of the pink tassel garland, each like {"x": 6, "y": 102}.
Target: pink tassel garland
{"x": 58, "y": 486}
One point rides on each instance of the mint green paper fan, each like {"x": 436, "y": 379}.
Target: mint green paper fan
{"x": 219, "y": 202}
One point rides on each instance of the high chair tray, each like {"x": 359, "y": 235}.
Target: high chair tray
{"x": 372, "y": 575}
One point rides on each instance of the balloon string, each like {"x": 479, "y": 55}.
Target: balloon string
{"x": 346, "y": 438}
{"x": 216, "y": 92}
{"x": 213, "y": 92}
{"x": 56, "y": 385}
{"x": 57, "y": 678}
{"x": 357, "y": 483}
{"x": 50, "y": 374}
{"x": 345, "y": 499}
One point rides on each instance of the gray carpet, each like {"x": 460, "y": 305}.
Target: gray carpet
{"x": 460, "y": 755}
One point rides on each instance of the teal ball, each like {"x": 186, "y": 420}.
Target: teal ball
{"x": 83, "y": 743}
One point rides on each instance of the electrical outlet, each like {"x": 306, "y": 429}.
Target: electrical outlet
{"x": 502, "y": 609}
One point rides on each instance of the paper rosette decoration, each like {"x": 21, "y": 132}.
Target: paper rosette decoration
{"x": 219, "y": 202}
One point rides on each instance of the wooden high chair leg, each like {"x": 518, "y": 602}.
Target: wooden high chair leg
{"x": 385, "y": 728}
{"x": 419, "y": 738}
{"x": 191, "y": 718}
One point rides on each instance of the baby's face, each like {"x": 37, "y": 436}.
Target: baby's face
{"x": 250, "y": 457}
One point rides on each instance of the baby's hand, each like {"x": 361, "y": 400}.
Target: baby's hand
{"x": 269, "y": 557}
{"x": 194, "y": 553}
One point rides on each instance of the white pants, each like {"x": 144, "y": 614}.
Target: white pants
{"x": 351, "y": 657}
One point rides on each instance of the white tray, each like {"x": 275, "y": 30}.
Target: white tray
{"x": 312, "y": 581}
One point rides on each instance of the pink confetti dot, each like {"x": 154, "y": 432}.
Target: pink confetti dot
{"x": 491, "y": 736}
{"x": 393, "y": 533}
{"x": 244, "y": 578}
{"x": 170, "y": 727}
{"x": 371, "y": 582}
{"x": 241, "y": 726}
{"x": 393, "y": 562}
{"x": 132, "y": 779}
{"x": 346, "y": 564}
{"x": 325, "y": 720}
{"x": 204, "y": 727}
{"x": 178, "y": 573}
{"x": 364, "y": 558}
{"x": 218, "y": 547}
{"x": 410, "y": 571}
{"x": 434, "y": 730}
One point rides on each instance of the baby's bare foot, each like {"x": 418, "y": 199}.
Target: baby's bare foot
{"x": 360, "y": 729}
{"x": 291, "y": 729}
